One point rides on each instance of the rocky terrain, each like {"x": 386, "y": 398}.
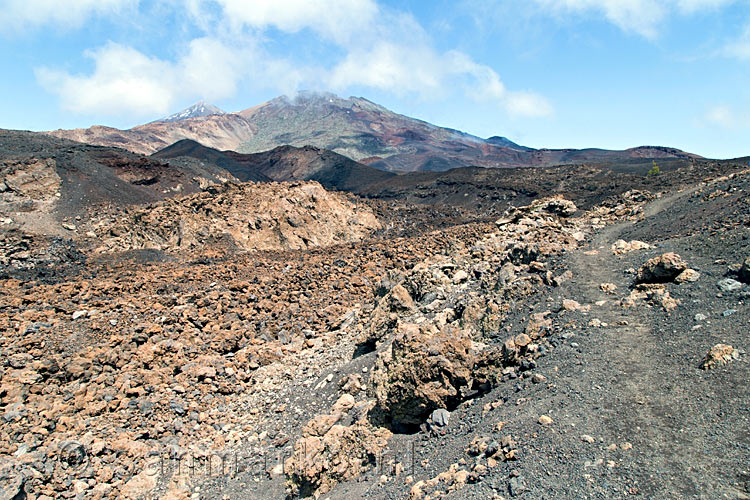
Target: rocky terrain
{"x": 485, "y": 191}
{"x": 356, "y": 128}
{"x": 578, "y": 333}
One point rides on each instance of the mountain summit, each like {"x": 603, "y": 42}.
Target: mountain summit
{"x": 355, "y": 127}
{"x": 197, "y": 110}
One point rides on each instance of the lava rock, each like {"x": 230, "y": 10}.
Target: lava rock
{"x": 661, "y": 269}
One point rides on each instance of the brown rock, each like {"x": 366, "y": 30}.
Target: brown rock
{"x": 572, "y": 305}
{"x": 621, "y": 246}
{"x": 318, "y": 462}
{"x": 424, "y": 370}
{"x": 399, "y": 299}
{"x": 688, "y": 276}
{"x": 561, "y": 207}
{"x": 661, "y": 269}
{"x": 352, "y": 384}
{"x": 718, "y": 355}
{"x": 272, "y": 216}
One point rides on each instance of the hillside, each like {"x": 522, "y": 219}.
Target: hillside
{"x": 284, "y": 163}
{"x": 45, "y": 181}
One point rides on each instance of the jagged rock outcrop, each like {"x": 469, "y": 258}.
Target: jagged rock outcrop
{"x": 32, "y": 179}
{"x": 438, "y": 361}
{"x": 425, "y": 369}
{"x": 246, "y": 217}
{"x": 330, "y": 452}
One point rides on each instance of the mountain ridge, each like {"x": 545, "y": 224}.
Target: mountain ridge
{"x": 284, "y": 163}
{"x": 355, "y": 127}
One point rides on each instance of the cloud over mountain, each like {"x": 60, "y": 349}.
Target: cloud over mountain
{"x": 380, "y": 48}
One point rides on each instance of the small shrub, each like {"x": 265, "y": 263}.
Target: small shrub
{"x": 654, "y": 170}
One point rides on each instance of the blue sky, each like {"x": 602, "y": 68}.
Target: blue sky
{"x": 545, "y": 73}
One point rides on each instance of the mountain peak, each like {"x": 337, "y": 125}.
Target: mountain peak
{"x": 314, "y": 99}
{"x": 197, "y": 110}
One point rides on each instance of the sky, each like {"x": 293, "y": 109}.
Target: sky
{"x": 544, "y": 73}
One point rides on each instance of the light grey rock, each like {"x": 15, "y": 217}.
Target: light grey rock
{"x": 729, "y": 285}
{"x": 440, "y": 417}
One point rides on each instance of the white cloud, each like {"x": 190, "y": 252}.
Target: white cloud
{"x": 337, "y": 20}
{"x": 643, "y": 17}
{"x": 124, "y": 81}
{"x": 398, "y": 56}
{"x": 528, "y": 104}
{"x": 739, "y": 48}
{"x": 19, "y": 15}
{"x": 210, "y": 69}
{"x": 722, "y": 116}
{"x": 485, "y": 84}
{"x": 381, "y": 49}
{"x": 420, "y": 70}
{"x": 727, "y": 118}
{"x": 389, "y": 66}
{"x": 127, "y": 82}
{"x": 691, "y": 6}
{"x": 638, "y": 16}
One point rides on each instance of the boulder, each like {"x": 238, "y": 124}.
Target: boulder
{"x": 426, "y": 369}
{"x": 440, "y": 417}
{"x": 328, "y": 454}
{"x": 561, "y": 207}
{"x": 399, "y": 299}
{"x": 688, "y": 276}
{"x": 572, "y": 305}
{"x": 621, "y": 246}
{"x": 654, "y": 293}
{"x": 11, "y": 485}
{"x": 661, "y": 269}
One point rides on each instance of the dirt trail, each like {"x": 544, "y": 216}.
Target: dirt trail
{"x": 634, "y": 363}
{"x": 647, "y": 392}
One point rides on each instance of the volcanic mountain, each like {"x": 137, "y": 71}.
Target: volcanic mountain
{"x": 355, "y": 127}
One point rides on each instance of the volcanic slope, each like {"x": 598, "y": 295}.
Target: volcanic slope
{"x": 285, "y": 163}
{"x": 45, "y": 181}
